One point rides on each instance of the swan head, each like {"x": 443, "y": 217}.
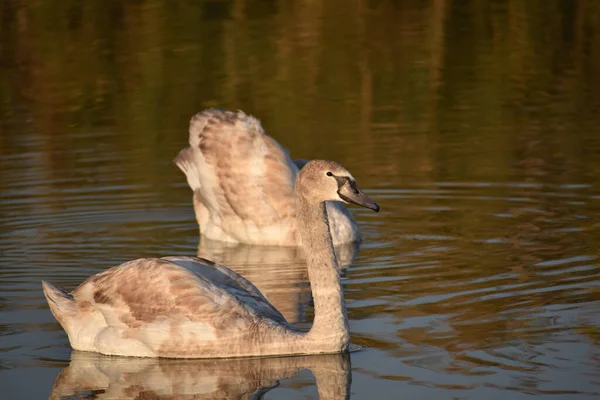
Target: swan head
{"x": 321, "y": 180}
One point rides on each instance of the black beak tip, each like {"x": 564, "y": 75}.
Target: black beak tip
{"x": 375, "y": 207}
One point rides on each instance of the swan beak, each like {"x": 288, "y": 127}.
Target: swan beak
{"x": 356, "y": 196}
{"x": 366, "y": 201}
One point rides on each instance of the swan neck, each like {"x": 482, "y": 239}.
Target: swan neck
{"x": 330, "y": 326}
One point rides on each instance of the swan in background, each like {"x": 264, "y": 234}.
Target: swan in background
{"x": 187, "y": 307}
{"x": 243, "y": 183}
{"x": 155, "y": 378}
{"x": 278, "y": 272}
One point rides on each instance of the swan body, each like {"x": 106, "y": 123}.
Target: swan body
{"x": 176, "y": 307}
{"x": 188, "y": 307}
{"x": 243, "y": 183}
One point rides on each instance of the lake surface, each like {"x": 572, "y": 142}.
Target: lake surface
{"x": 475, "y": 126}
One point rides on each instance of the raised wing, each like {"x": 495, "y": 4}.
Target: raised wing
{"x": 240, "y": 171}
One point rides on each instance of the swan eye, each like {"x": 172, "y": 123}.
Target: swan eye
{"x": 329, "y": 173}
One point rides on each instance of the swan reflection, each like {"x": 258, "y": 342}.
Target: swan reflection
{"x": 94, "y": 376}
{"x": 280, "y": 273}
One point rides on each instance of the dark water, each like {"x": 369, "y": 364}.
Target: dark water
{"x": 475, "y": 125}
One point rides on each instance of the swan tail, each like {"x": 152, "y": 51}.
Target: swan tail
{"x": 61, "y": 303}
{"x": 185, "y": 162}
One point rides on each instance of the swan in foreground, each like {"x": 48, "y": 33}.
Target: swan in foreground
{"x": 243, "y": 184}
{"x": 101, "y": 377}
{"x": 187, "y": 307}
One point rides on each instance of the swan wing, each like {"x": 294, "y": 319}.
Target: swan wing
{"x": 232, "y": 282}
{"x": 239, "y": 172}
{"x": 152, "y": 294}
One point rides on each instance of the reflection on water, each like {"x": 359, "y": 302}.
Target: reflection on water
{"x": 278, "y": 272}
{"x": 493, "y": 288}
{"x": 474, "y": 124}
{"x": 101, "y": 377}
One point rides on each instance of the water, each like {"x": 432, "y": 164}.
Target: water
{"x": 475, "y": 126}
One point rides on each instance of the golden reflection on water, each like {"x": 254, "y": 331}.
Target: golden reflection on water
{"x": 473, "y": 124}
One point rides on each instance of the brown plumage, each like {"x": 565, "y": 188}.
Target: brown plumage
{"x": 188, "y": 307}
{"x": 243, "y": 183}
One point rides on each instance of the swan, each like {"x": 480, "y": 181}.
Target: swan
{"x": 243, "y": 183}
{"x": 188, "y": 307}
